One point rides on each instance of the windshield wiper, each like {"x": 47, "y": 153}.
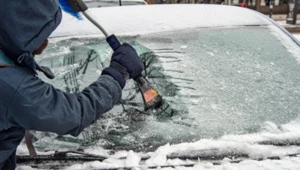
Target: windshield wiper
{"x": 65, "y": 158}
{"x": 295, "y": 142}
{"x": 46, "y": 161}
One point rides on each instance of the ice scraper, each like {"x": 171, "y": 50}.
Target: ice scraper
{"x": 150, "y": 96}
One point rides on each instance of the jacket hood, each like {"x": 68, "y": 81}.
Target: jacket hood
{"x": 24, "y": 26}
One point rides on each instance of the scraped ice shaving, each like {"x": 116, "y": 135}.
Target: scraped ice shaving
{"x": 210, "y": 53}
{"x": 25, "y": 168}
{"x": 115, "y": 161}
{"x": 159, "y": 157}
{"x": 98, "y": 151}
{"x": 132, "y": 159}
{"x": 98, "y": 72}
{"x": 183, "y": 46}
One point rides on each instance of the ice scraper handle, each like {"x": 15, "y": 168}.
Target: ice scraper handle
{"x": 113, "y": 42}
{"x": 134, "y": 66}
{"x": 142, "y": 83}
{"x": 125, "y": 55}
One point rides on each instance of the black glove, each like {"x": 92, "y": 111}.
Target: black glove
{"x": 125, "y": 63}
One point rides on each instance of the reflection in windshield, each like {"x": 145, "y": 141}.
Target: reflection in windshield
{"x": 213, "y": 82}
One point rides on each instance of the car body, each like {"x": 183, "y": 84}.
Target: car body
{"x": 110, "y": 3}
{"x": 229, "y": 78}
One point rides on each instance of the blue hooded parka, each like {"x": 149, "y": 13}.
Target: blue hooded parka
{"x": 26, "y": 102}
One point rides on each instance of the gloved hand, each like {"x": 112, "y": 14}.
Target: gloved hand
{"x": 125, "y": 63}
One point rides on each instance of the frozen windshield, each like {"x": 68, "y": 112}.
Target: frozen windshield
{"x": 213, "y": 81}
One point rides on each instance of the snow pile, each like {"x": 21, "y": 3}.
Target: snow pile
{"x": 92, "y": 165}
{"x": 285, "y": 163}
{"x": 132, "y": 159}
{"x": 251, "y": 145}
{"x": 248, "y": 144}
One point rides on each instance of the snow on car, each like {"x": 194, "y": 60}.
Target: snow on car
{"x": 111, "y": 3}
{"x": 229, "y": 78}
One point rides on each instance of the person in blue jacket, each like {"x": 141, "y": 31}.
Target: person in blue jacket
{"x": 28, "y": 103}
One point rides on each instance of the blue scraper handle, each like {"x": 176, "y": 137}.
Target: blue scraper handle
{"x": 113, "y": 42}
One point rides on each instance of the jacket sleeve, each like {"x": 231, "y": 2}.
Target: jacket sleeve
{"x": 39, "y": 106}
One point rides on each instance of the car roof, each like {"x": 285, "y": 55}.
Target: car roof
{"x": 113, "y": 0}
{"x": 157, "y": 18}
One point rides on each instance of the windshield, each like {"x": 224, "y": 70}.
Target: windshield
{"x": 214, "y": 81}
